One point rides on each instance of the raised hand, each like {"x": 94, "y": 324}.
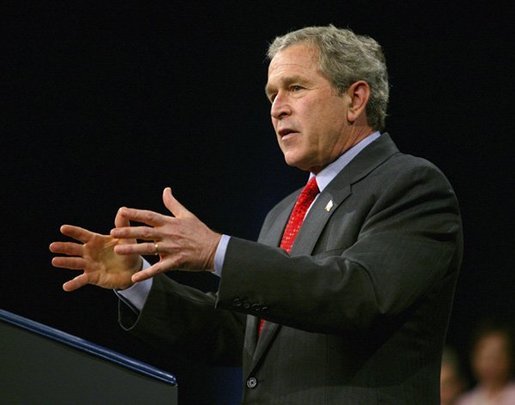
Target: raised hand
{"x": 95, "y": 256}
{"x": 181, "y": 240}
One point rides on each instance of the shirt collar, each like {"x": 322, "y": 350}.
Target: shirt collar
{"x": 329, "y": 173}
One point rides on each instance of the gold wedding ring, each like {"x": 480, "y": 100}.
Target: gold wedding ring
{"x": 156, "y": 246}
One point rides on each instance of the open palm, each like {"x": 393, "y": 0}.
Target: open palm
{"x": 95, "y": 256}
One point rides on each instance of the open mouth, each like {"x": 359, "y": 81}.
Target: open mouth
{"x": 286, "y": 133}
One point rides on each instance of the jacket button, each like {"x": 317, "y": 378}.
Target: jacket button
{"x": 252, "y": 382}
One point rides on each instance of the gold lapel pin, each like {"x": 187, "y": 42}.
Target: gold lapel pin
{"x": 329, "y": 206}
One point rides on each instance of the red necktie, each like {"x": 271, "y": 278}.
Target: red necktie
{"x": 304, "y": 201}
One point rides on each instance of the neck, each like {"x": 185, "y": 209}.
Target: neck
{"x": 355, "y": 136}
{"x": 493, "y": 388}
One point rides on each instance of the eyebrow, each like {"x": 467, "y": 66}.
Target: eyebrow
{"x": 286, "y": 81}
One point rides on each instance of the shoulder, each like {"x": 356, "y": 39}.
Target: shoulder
{"x": 509, "y": 392}
{"x": 401, "y": 177}
{"x": 381, "y": 164}
{"x": 402, "y": 163}
{"x": 403, "y": 171}
{"x": 385, "y": 150}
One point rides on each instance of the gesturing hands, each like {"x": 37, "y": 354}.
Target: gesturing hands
{"x": 182, "y": 240}
{"x": 114, "y": 261}
{"x": 96, "y": 257}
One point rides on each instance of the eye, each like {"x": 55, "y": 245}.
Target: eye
{"x": 295, "y": 87}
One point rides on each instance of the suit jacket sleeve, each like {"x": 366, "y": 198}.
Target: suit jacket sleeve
{"x": 184, "y": 319}
{"x": 388, "y": 243}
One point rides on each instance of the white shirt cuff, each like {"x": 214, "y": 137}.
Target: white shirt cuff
{"x": 136, "y": 295}
{"x": 220, "y": 254}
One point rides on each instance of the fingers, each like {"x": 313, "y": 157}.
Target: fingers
{"x": 76, "y": 283}
{"x": 175, "y": 207}
{"x": 125, "y": 215}
{"x": 142, "y": 249}
{"x": 121, "y": 221}
{"x": 136, "y": 232}
{"x": 148, "y": 273}
{"x": 144, "y": 216}
{"x": 76, "y": 232}
{"x": 69, "y": 249}
{"x": 72, "y": 263}
{"x": 66, "y": 248}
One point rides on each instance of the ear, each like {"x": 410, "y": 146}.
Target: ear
{"x": 359, "y": 93}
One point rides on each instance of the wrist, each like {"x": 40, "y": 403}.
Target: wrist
{"x": 211, "y": 258}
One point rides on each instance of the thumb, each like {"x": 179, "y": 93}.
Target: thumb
{"x": 175, "y": 207}
{"x": 121, "y": 221}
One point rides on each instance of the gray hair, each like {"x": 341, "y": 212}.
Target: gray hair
{"x": 345, "y": 58}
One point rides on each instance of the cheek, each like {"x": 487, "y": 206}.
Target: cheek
{"x": 274, "y": 123}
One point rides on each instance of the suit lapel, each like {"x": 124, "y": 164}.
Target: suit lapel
{"x": 272, "y": 236}
{"x": 270, "y": 330}
{"x": 314, "y": 223}
{"x": 338, "y": 191}
{"x": 251, "y": 335}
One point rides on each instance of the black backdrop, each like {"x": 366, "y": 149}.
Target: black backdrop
{"x": 104, "y": 104}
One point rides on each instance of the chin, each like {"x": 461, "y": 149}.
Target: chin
{"x": 291, "y": 163}
{"x": 297, "y": 164}
{"x": 293, "y": 159}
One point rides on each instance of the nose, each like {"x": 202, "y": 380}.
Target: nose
{"x": 280, "y": 107}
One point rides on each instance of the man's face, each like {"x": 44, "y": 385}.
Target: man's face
{"x": 491, "y": 358}
{"x": 308, "y": 114}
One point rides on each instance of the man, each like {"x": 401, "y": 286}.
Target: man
{"x": 346, "y": 297}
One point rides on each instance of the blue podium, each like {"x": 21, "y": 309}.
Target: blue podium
{"x": 40, "y": 364}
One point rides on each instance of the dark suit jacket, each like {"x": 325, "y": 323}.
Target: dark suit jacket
{"x": 359, "y": 309}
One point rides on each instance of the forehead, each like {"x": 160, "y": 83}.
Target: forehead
{"x": 493, "y": 341}
{"x": 295, "y": 59}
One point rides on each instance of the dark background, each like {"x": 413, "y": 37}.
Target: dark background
{"x": 105, "y": 104}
